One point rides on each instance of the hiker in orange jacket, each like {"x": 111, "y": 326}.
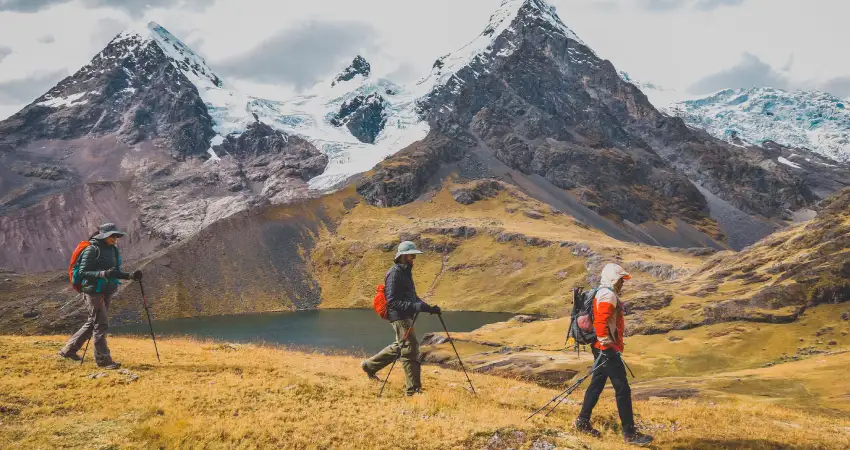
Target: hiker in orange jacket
{"x": 609, "y": 324}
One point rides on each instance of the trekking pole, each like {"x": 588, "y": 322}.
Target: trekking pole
{"x": 627, "y": 366}
{"x": 456, "y": 353}
{"x": 87, "y": 348}
{"x": 406, "y": 333}
{"x": 574, "y": 387}
{"x": 563, "y": 395}
{"x": 145, "y": 303}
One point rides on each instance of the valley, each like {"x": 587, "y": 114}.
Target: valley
{"x": 520, "y": 164}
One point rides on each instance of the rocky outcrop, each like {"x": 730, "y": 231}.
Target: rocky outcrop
{"x": 268, "y": 152}
{"x": 359, "y": 66}
{"x": 403, "y": 178}
{"x": 476, "y": 191}
{"x": 658, "y": 270}
{"x": 363, "y": 115}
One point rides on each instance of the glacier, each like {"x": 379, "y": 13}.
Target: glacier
{"x": 307, "y": 115}
{"x": 813, "y": 120}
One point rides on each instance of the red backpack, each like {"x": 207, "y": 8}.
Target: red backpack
{"x": 380, "y": 303}
{"x": 74, "y": 267}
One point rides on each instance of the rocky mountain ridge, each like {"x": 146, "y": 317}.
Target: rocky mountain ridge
{"x": 529, "y": 95}
{"x": 526, "y": 102}
{"x": 140, "y": 115}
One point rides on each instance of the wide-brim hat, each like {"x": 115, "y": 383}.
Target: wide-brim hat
{"x": 109, "y": 229}
{"x": 407, "y": 248}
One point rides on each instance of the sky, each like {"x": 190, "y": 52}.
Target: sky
{"x": 277, "y": 48}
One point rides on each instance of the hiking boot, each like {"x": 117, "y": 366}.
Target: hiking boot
{"x": 72, "y": 356}
{"x": 111, "y": 365}
{"x": 415, "y": 392}
{"x": 584, "y": 426}
{"x": 369, "y": 374}
{"x": 637, "y": 438}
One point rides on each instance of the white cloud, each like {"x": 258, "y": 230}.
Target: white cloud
{"x": 676, "y": 46}
{"x": 750, "y": 72}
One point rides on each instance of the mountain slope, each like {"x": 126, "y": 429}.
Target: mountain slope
{"x": 145, "y": 116}
{"x": 530, "y": 94}
{"x": 803, "y": 119}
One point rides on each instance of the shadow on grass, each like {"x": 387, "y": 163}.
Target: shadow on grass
{"x": 760, "y": 444}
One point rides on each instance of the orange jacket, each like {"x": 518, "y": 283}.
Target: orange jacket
{"x": 608, "y": 320}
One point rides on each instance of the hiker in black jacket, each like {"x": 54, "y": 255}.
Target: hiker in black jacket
{"x": 100, "y": 270}
{"x": 402, "y": 306}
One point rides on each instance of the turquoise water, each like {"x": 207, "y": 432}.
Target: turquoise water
{"x": 350, "y": 330}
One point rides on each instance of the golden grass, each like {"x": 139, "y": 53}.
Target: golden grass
{"x": 207, "y": 395}
{"x": 481, "y": 274}
{"x": 705, "y": 350}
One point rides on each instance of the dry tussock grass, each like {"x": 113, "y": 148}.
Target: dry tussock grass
{"x": 209, "y": 395}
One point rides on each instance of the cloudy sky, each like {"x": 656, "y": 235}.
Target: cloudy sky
{"x": 275, "y": 48}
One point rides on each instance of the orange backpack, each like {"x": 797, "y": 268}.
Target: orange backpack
{"x": 380, "y": 303}
{"x": 73, "y": 267}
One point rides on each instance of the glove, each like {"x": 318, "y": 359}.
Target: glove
{"x": 137, "y": 275}
{"x": 435, "y": 310}
{"x": 112, "y": 273}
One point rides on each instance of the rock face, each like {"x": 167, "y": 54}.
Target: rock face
{"x": 404, "y": 180}
{"x": 130, "y": 89}
{"x": 363, "y": 115}
{"x": 269, "y": 152}
{"x": 250, "y": 261}
{"x": 529, "y": 93}
{"x": 476, "y": 192}
{"x": 359, "y": 66}
{"x": 129, "y": 139}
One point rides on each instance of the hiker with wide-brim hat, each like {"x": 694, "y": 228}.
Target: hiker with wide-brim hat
{"x": 402, "y": 304}
{"x": 99, "y": 269}
{"x": 609, "y": 325}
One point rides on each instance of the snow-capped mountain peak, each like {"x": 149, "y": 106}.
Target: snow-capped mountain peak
{"x": 804, "y": 119}
{"x": 184, "y": 58}
{"x": 502, "y": 21}
{"x": 358, "y": 67}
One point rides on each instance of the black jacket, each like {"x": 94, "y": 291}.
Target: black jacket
{"x": 402, "y": 301}
{"x": 96, "y": 259}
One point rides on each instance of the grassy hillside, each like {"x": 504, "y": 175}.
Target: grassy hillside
{"x": 811, "y": 349}
{"x": 215, "y": 395}
{"x": 773, "y": 312}
{"x": 505, "y": 253}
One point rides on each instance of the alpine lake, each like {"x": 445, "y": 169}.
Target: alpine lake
{"x": 355, "y": 331}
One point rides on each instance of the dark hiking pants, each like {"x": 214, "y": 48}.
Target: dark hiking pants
{"x": 97, "y": 324}
{"x": 615, "y": 370}
{"x": 409, "y": 355}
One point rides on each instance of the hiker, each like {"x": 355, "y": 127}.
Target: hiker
{"x": 609, "y": 324}
{"x": 402, "y": 305}
{"x": 99, "y": 271}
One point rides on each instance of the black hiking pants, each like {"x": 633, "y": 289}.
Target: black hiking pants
{"x": 615, "y": 370}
